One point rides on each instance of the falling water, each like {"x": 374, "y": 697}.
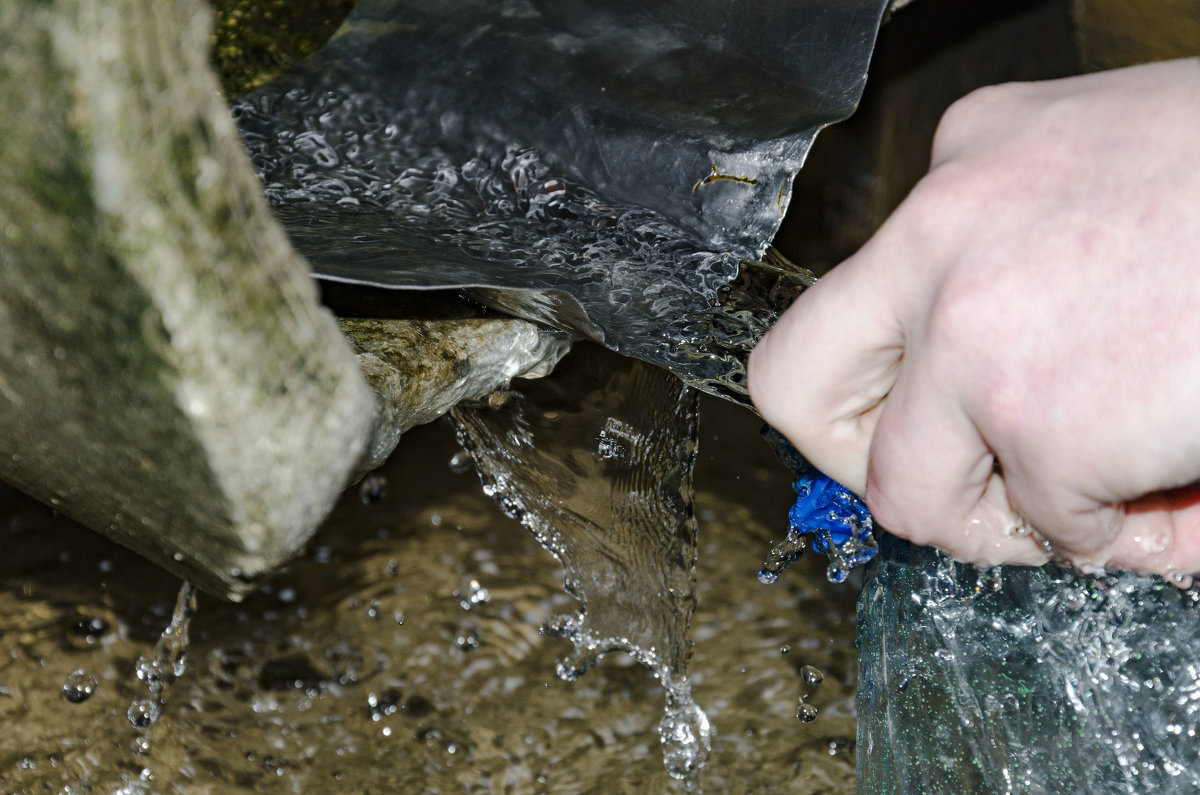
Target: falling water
{"x": 597, "y": 464}
{"x": 159, "y": 671}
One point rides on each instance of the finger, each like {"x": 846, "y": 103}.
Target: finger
{"x": 818, "y": 376}
{"x": 1157, "y": 534}
{"x": 931, "y": 477}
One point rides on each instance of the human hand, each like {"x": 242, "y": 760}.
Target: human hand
{"x": 1018, "y": 346}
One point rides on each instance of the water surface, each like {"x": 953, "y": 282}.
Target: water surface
{"x": 402, "y": 653}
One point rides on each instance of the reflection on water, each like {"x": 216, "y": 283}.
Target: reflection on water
{"x": 360, "y": 668}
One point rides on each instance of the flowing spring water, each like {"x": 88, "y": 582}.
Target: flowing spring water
{"x": 600, "y": 472}
{"x": 401, "y": 210}
{"x": 594, "y": 167}
{"x": 1025, "y": 679}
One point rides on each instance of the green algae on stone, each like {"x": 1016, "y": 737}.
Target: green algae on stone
{"x": 254, "y": 40}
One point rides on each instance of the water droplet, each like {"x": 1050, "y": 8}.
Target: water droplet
{"x": 79, "y": 687}
{"x": 471, "y": 594}
{"x": 811, "y": 675}
{"x": 461, "y": 462}
{"x": 806, "y": 712}
{"x": 1180, "y": 580}
{"x": 685, "y": 734}
{"x": 780, "y": 556}
{"x": 86, "y": 631}
{"x": 837, "y": 572}
{"x": 167, "y": 663}
{"x": 1074, "y": 599}
{"x": 142, "y": 713}
{"x": 468, "y": 640}
{"x": 381, "y": 705}
{"x": 785, "y": 649}
{"x": 767, "y": 577}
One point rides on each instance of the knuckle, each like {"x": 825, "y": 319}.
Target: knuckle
{"x": 970, "y": 114}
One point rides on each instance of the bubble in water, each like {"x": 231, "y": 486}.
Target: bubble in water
{"x": 811, "y": 675}
{"x": 806, "y": 712}
{"x": 79, "y": 687}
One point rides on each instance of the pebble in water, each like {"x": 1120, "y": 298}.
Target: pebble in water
{"x": 79, "y": 687}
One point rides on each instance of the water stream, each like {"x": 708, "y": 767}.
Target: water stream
{"x": 597, "y": 464}
{"x": 158, "y": 672}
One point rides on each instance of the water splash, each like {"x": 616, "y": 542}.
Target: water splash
{"x": 826, "y": 516}
{"x": 685, "y": 734}
{"x": 167, "y": 663}
{"x": 1024, "y": 679}
{"x": 596, "y": 462}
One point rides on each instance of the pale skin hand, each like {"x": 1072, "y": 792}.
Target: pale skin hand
{"x": 1019, "y": 345}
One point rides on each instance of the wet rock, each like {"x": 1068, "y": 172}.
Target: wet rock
{"x": 421, "y": 368}
{"x": 167, "y": 375}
